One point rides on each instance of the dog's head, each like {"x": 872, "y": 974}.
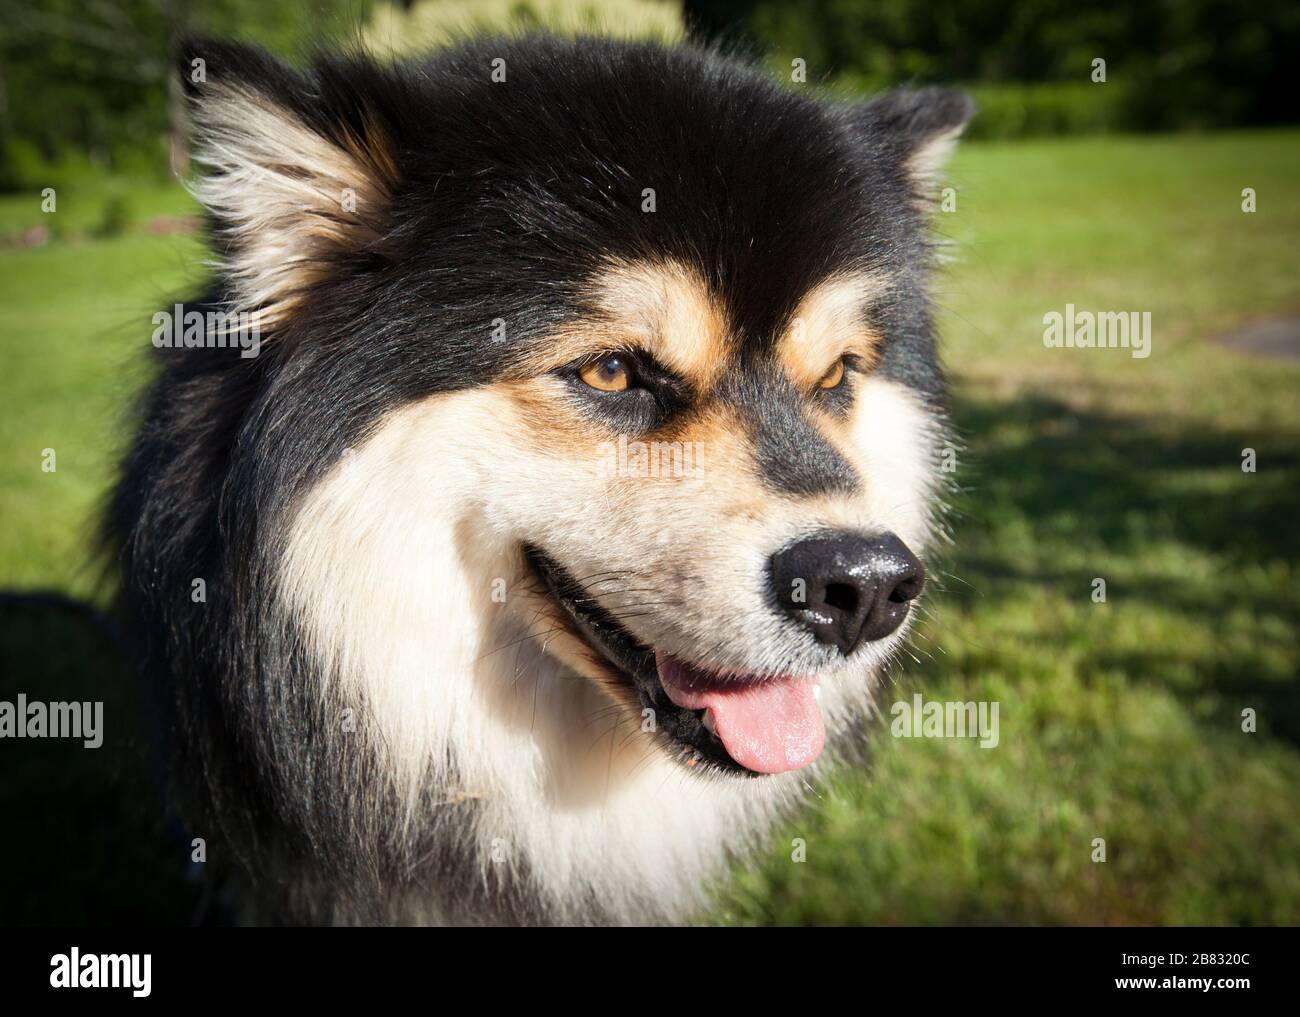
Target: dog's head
{"x": 613, "y": 356}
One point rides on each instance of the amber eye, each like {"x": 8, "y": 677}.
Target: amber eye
{"x": 833, "y": 377}
{"x": 608, "y": 374}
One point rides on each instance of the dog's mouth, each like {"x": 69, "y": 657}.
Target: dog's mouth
{"x": 739, "y": 722}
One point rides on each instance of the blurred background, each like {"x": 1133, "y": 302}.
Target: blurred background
{"x": 1162, "y": 180}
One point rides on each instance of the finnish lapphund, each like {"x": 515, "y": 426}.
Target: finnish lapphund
{"x": 556, "y": 537}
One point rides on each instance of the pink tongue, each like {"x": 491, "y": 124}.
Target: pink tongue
{"x": 767, "y": 726}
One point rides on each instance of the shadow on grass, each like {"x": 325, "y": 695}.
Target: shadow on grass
{"x": 1194, "y": 535}
{"x": 86, "y": 842}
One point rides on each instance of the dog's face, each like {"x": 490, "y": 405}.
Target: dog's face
{"x": 723, "y": 529}
{"x": 625, "y": 359}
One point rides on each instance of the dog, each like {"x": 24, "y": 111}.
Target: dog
{"x": 550, "y": 548}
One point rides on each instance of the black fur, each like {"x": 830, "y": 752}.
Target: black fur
{"x": 508, "y": 196}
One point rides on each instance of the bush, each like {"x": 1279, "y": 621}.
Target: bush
{"x": 116, "y": 218}
{"x": 1184, "y": 64}
{"x": 437, "y": 22}
{"x": 1018, "y": 111}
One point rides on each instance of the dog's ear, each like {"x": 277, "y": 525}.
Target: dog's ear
{"x": 293, "y": 168}
{"x": 917, "y": 129}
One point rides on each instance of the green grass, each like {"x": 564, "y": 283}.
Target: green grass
{"x": 1119, "y": 720}
{"x": 74, "y": 329}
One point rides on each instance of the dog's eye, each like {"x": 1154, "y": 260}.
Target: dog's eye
{"x": 834, "y": 377}
{"x": 608, "y": 374}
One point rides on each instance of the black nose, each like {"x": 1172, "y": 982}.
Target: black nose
{"x": 846, "y": 588}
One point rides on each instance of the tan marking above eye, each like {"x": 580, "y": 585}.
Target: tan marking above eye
{"x": 664, "y": 308}
{"x": 833, "y": 377}
{"x": 608, "y": 374}
{"x": 831, "y": 321}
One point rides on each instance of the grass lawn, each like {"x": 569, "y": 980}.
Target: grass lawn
{"x": 1119, "y": 720}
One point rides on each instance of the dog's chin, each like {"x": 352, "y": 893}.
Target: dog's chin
{"x": 735, "y": 723}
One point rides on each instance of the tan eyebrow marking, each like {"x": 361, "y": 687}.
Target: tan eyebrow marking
{"x": 829, "y": 322}
{"x": 662, "y": 307}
